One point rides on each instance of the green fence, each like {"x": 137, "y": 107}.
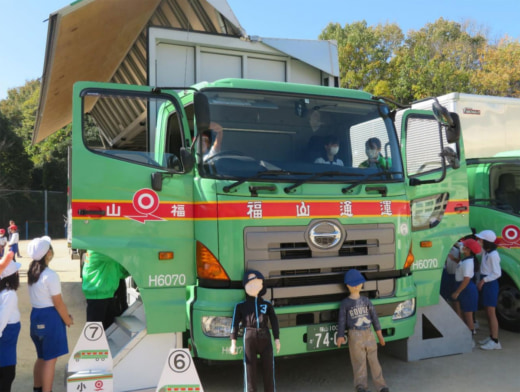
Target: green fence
{"x": 36, "y": 213}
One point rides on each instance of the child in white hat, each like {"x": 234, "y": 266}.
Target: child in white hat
{"x": 490, "y": 272}
{"x": 49, "y": 314}
{"x": 9, "y": 324}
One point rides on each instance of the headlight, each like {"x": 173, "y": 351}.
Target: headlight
{"x": 404, "y": 309}
{"x": 215, "y": 326}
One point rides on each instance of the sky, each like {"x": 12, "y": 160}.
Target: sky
{"x": 23, "y": 23}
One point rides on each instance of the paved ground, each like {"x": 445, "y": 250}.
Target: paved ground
{"x": 478, "y": 371}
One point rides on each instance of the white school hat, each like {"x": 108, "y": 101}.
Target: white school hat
{"x": 39, "y": 247}
{"x": 487, "y": 235}
{"x": 11, "y": 269}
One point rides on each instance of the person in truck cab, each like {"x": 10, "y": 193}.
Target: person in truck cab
{"x": 208, "y": 148}
{"x": 330, "y": 151}
{"x": 375, "y": 158}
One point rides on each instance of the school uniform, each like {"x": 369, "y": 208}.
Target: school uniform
{"x": 490, "y": 272}
{"x": 47, "y": 328}
{"x": 9, "y": 327}
{"x": 336, "y": 161}
{"x": 468, "y": 298}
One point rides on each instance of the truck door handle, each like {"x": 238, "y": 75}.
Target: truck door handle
{"x": 460, "y": 208}
{"x": 91, "y": 212}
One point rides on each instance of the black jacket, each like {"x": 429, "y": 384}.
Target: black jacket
{"x": 254, "y": 312}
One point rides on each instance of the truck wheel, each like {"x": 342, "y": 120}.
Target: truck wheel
{"x": 508, "y": 307}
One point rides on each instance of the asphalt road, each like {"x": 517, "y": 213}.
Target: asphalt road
{"x": 478, "y": 371}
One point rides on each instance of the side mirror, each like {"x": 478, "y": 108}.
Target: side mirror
{"x": 157, "y": 181}
{"x": 441, "y": 114}
{"x": 453, "y": 132}
{"x": 201, "y": 107}
{"x": 451, "y": 157}
{"x": 449, "y": 120}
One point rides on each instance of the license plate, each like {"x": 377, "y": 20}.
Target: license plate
{"x": 322, "y": 336}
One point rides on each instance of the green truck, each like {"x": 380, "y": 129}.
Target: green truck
{"x": 186, "y": 226}
{"x": 490, "y": 127}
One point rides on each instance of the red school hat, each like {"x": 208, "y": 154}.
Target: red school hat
{"x": 472, "y": 245}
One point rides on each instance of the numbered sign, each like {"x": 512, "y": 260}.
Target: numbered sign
{"x": 179, "y": 373}
{"x": 91, "y": 352}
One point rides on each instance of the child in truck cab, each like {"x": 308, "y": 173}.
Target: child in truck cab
{"x": 375, "y": 158}
{"x": 330, "y": 151}
{"x": 357, "y": 315}
{"x": 490, "y": 272}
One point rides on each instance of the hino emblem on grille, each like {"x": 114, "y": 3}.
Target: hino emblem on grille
{"x": 325, "y": 235}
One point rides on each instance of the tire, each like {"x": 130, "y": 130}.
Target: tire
{"x": 508, "y": 306}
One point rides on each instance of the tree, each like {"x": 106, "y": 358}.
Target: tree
{"x": 49, "y": 157}
{"x": 364, "y": 54}
{"x": 499, "y": 73}
{"x": 15, "y": 165}
{"x": 437, "y": 59}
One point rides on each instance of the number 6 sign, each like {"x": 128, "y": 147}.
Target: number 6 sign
{"x": 179, "y": 373}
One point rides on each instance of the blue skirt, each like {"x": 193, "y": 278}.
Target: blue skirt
{"x": 489, "y": 294}
{"x": 48, "y": 333}
{"x": 8, "y": 343}
{"x": 468, "y": 299}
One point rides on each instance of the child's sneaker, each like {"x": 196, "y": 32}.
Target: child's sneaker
{"x": 484, "y": 341}
{"x": 491, "y": 345}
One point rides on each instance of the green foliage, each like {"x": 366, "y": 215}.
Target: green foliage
{"x": 38, "y": 166}
{"x": 440, "y": 58}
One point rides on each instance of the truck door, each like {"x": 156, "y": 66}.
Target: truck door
{"x": 132, "y": 191}
{"x": 438, "y": 193}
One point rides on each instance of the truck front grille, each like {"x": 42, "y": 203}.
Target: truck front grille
{"x": 297, "y": 273}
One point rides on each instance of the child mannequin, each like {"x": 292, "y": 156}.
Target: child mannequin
{"x": 254, "y": 313}
{"x": 357, "y": 314}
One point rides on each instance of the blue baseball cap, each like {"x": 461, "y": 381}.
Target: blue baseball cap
{"x": 257, "y": 275}
{"x": 353, "y": 278}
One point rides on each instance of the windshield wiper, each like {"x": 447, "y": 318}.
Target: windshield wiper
{"x": 355, "y": 184}
{"x": 260, "y": 174}
{"x": 288, "y": 189}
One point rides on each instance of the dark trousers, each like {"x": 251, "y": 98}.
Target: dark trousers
{"x": 7, "y": 374}
{"x": 101, "y": 310}
{"x": 258, "y": 342}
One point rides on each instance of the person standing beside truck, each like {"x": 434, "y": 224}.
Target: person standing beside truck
{"x": 490, "y": 272}
{"x": 3, "y": 242}
{"x": 14, "y": 238}
{"x": 466, "y": 292}
{"x": 49, "y": 314}
{"x": 9, "y": 324}
{"x": 101, "y": 278}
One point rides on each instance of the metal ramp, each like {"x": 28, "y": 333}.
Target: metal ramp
{"x": 138, "y": 357}
{"x": 439, "y": 331}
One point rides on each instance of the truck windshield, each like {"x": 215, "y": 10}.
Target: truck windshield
{"x": 297, "y": 138}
